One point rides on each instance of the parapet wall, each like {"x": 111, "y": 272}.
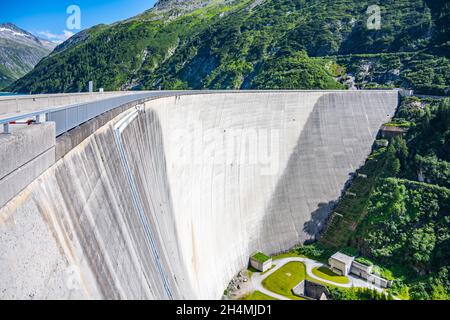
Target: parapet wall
{"x": 21, "y": 103}
{"x": 169, "y": 201}
{"x": 24, "y": 156}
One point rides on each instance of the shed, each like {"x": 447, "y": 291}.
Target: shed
{"x": 388, "y": 132}
{"x": 340, "y": 263}
{"x": 260, "y": 261}
{"x": 361, "y": 270}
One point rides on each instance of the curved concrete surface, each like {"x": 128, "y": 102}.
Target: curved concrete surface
{"x": 169, "y": 201}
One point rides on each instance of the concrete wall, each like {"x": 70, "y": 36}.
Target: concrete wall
{"x": 170, "y": 202}
{"x": 24, "y": 155}
{"x": 13, "y": 104}
{"x": 311, "y": 290}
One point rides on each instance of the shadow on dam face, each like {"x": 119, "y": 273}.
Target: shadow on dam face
{"x": 149, "y": 207}
{"x": 328, "y": 151}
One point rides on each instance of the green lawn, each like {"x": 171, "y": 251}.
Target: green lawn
{"x": 289, "y": 254}
{"x": 327, "y": 274}
{"x": 257, "y": 295}
{"x": 286, "y": 278}
{"x": 261, "y": 257}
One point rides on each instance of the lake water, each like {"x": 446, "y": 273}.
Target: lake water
{"x": 7, "y": 94}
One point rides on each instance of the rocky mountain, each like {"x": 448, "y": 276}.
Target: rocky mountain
{"x": 267, "y": 44}
{"x": 183, "y": 5}
{"x": 20, "y": 51}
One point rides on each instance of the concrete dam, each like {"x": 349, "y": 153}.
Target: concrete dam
{"x": 169, "y": 197}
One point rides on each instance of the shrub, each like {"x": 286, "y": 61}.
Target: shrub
{"x": 364, "y": 261}
{"x": 311, "y": 251}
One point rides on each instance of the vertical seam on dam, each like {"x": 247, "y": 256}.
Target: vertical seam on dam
{"x": 118, "y": 129}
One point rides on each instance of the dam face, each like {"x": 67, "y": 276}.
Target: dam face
{"x": 167, "y": 201}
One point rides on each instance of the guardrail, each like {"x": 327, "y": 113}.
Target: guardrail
{"x": 22, "y": 103}
{"x": 69, "y": 117}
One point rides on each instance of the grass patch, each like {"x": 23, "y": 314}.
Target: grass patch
{"x": 260, "y": 257}
{"x": 290, "y": 254}
{"x": 315, "y": 251}
{"x": 257, "y": 295}
{"x": 364, "y": 261}
{"x": 284, "y": 279}
{"x": 327, "y": 274}
{"x": 402, "y": 293}
{"x": 401, "y": 123}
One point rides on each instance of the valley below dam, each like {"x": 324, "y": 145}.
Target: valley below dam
{"x": 169, "y": 199}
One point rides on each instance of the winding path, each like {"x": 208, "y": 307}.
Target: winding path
{"x": 258, "y": 278}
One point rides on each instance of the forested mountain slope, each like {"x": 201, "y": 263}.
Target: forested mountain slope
{"x": 397, "y": 210}
{"x": 20, "y": 51}
{"x": 264, "y": 44}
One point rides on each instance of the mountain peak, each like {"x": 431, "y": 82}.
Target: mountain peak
{"x": 10, "y": 31}
{"x": 10, "y": 25}
{"x": 20, "y": 51}
{"x": 14, "y": 30}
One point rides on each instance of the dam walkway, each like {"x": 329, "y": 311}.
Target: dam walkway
{"x": 36, "y": 130}
{"x": 66, "y": 116}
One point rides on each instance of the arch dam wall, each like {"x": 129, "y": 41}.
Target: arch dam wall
{"x": 168, "y": 201}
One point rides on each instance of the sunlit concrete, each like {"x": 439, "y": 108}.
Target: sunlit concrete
{"x": 169, "y": 201}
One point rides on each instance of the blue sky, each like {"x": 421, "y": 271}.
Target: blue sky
{"x": 47, "y": 18}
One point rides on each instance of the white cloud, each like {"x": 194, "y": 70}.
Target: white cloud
{"x": 56, "y": 38}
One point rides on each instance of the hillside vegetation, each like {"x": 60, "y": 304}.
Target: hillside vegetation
{"x": 244, "y": 44}
{"x": 397, "y": 210}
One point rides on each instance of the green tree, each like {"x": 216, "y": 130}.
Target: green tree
{"x": 439, "y": 292}
{"x": 422, "y": 244}
{"x": 401, "y": 150}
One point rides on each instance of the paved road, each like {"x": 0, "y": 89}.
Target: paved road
{"x": 257, "y": 278}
